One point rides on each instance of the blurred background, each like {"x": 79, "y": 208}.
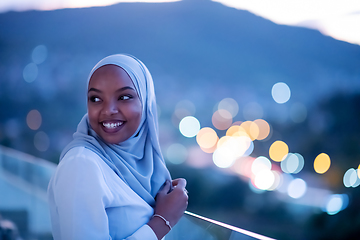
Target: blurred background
{"x": 258, "y": 101}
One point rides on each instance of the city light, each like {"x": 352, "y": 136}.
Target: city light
{"x": 30, "y": 72}
{"x": 39, "y": 54}
{"x": 281, "y": 92}
{"x": 34, "y": 119}
{"x": 41, "y": 141}
{"x": 264, "y": 129}
{"x": 207, "y": 139}
{"x": 189, "y": 126}
{"x": 293, "y": 163}
{"x": 297, "y": 188}
{"x": 351, "y": 178}
{"x": 336, "y": 203}
{"x": 278, "y": 150}
{"x": 322, "y": 163}
{"x": 222, "y": 119}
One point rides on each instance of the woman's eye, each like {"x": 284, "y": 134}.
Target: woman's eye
{"x": 94, "y": 99}
{"x": 125, "y": 97}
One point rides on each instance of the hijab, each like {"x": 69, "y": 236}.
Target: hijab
{"x": 138, "y": 161}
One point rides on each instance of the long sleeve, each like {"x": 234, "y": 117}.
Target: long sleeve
{"x": 87, "y": 201}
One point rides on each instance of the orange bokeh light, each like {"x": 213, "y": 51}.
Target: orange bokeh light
{"x": 207, "y": 138}
{"x": 278, "y": 151}
{"x": 322, "y": 163}
{"x": 264, "y": 129}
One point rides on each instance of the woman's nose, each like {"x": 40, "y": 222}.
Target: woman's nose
{"x": 111, "y": 108}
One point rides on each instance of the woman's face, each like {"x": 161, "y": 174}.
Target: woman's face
{"x": 114, "y": 107}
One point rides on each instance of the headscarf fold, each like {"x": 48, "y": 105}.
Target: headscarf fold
{"x": 138, "y": 161}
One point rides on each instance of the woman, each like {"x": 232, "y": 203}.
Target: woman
{"x": 111, "y": 181}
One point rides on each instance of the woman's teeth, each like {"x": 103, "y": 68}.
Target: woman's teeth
{"x": 112, "y": 125}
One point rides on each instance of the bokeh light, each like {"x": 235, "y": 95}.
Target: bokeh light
{"x": 189, "y": 126}
{"x": 259, "y": 164}
{"x": 293, "y": 163}
{"x": 297, "y": 188}
{"x": 322, "y": 163}
{"x": 264, "y": 179}
{"x": 278, "y": 150}
{"x": 39, "y": 54}
{"x": 251, "y": 129}
{"x": 222, "y": 119}
{"x": 357, "y": 182}
{"x": 34, "y": 119}
{"x": 239, "y": 146}
{"x": 207, "y": 138}
{"x": 336, "y": 203}
{"x": 254, "y": 131}
{"x": 264, "y": 129}
{"x": 236, "y": 130}
{"x": 176, "y": 153}
{"x": 298, "y": 112}
{"x": 277, "y": 181}
{"x": 41, "y": 141}
{"x": 281, "y": 92}
{"x": 351, "y": 178}
{"x": 252, "y": 111}
{"x": 229, "y": 105}
{"x": 30, "y": 72}
{"x": 223, "y": 157}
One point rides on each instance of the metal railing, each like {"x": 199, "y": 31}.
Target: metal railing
{"x": 23, "y": 185}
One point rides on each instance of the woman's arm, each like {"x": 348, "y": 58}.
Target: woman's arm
{"x": 79, "y": 196}
{"x": 170, "y": 205}
{"x": 77, "y": 202}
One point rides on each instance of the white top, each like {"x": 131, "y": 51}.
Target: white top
{"x": 88, "y": 201}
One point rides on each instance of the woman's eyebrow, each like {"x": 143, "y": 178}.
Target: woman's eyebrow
{"x": 125, "y": 88}
{"x": 118, "y": 90}
{"x": 94, "y": 89}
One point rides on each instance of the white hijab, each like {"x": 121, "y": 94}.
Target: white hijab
{"x": 138, "y": 160}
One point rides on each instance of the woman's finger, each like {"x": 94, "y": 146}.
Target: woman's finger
{"x": 165, "y": 188}
{"x": 179, "y": 183}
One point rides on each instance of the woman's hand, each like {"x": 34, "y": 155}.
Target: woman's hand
{"x": 171, "y": 202}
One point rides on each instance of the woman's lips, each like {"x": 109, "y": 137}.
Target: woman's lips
{"x": 112, "y": 126}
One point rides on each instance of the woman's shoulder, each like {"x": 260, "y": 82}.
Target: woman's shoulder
{"x": 81, "y": 158}
{"x": 85, "y": 161}
{"x": 81, "y": 165}
{"x": 79, "y": 153}
{"x": 79, "y": 173}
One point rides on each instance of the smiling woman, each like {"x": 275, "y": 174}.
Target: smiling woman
{"x": 112, "y": 182}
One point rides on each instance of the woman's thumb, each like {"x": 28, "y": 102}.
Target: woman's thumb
{"x": 165, "y": 187}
